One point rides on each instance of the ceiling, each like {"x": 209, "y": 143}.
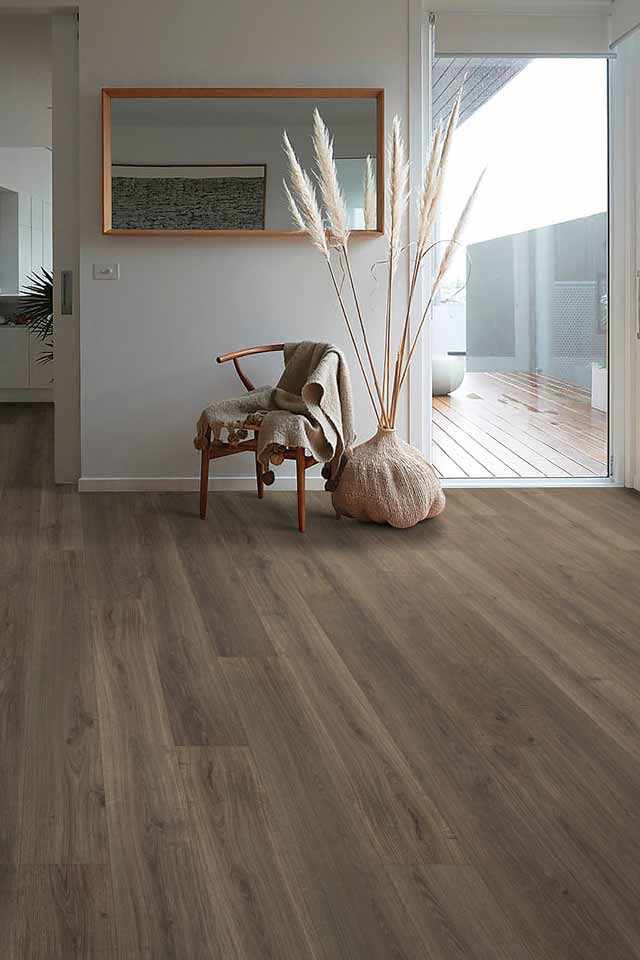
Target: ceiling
{"x": 482, "y": 77}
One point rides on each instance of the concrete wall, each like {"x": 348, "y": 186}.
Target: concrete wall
{"x": 148, "y": 339}
{"x": 533, "y": 300}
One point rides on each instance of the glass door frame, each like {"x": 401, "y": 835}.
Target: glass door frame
{"x": 422, "y": 27}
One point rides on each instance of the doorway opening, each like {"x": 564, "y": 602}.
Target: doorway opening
{"x": 39, "y": 227}
{"x": 26, "y": 229}
{"x": 520, "y": 335}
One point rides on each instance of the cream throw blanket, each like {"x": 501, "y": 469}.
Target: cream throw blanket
{"x": 311, "y": 406}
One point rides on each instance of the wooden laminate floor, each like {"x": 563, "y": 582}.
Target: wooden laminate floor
{"x": 518, "y": 425}
{"x": 227, "y": 740}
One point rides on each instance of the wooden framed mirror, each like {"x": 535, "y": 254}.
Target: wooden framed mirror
{"x": 207, "y": 161}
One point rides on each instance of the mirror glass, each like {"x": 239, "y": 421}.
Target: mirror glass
{"x": 216, "y": 163}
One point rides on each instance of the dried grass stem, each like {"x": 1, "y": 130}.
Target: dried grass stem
{"x": 384, "y": 391}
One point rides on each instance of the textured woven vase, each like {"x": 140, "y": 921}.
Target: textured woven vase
{"x": 386, "y": 480}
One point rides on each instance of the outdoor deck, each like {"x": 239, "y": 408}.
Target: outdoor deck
{"x": 518, "y": 425}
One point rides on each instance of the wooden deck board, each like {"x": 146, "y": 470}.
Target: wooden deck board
{"x": 518, "y": 425}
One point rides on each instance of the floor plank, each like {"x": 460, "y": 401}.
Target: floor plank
{"x": 258, "y": 913}
{"x": 150, "y": 569}
{"x": 157, "y": 898}
{"x": 22, "y": 477}
{"x": 66, "y": 912}
{"x": 217, "y": 582}
{"x": 8, "y": 909}
{"x": 402, "y": 822}
{"x": 329, "y": 861}
{"x": 456, "y": 914}
{"x": 467, "y": 766}
{"x": 63, "y": 815}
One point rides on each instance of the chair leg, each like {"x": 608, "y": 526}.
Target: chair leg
{"x": 300, "y": 482}
{"x": 259, "y": 482}
{"x": 204, "y": 478}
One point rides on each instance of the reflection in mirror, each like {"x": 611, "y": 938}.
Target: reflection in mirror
{"x": 197, "y": 197}
{"x": 216, "y": 162}
{"x": 357, "y": 181}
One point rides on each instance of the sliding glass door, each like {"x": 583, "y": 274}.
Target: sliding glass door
{"x": 520, "y": 332}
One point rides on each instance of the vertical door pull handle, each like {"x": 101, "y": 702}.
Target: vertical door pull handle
{"x": 66, "y": 292}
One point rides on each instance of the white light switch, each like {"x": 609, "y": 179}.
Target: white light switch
{"x": 106, "y": 271}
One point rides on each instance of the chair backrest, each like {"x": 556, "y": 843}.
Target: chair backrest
{"x": 247, "y": 352}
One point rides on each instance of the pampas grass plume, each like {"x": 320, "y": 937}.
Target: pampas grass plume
{"x": 332, "y": 197}
{"x": 430, "y": 195}
{"x": 370, "y": 209}
{"x": 457, "y": 233}
{"x": 399, "y": 196}
{"x": 305, "y": 202}
{"x": 293, "y": 209}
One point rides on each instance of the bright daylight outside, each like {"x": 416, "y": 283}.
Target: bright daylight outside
{"x": 519, "y": 337}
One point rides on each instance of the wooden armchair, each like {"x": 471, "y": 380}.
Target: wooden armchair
{"x": 214, "y": 449}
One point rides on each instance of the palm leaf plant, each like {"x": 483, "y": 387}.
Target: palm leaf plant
{"x": 36, "y": 303}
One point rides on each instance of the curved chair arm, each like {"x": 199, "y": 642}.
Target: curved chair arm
{"x": 248, "y": 351}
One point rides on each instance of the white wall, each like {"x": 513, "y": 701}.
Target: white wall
{"x": 25, "y": 81}
{"x": 26, "y": 170}
{"x": 149, "y": 338}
